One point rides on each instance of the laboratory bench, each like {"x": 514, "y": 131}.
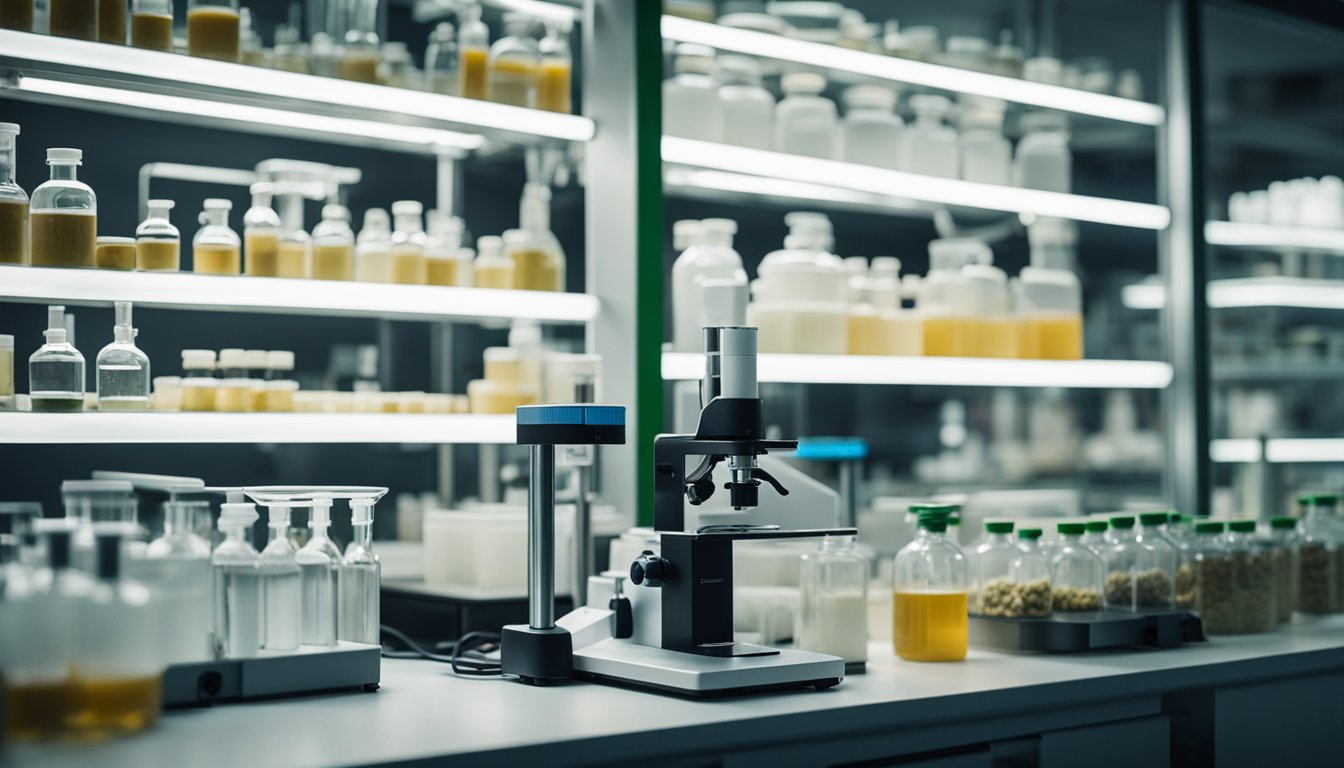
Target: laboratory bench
{"x": 1242, "y": 700}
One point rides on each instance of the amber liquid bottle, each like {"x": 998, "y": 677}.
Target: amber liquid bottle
{"x": 73, "y": 18}
{"x": 152, "y": 24}
{"x": 214, "y": 30}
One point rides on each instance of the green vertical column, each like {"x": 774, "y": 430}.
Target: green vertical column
{"x": 649, "y": 233}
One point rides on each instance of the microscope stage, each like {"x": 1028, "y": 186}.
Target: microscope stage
{"x": 690, "y": 674}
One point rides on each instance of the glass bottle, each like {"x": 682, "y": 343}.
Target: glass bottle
{"x": 1318, "y": 555}
{"x": 214, "y": 29}
{"x": 281, "y": 604}
{"x": 1285, "y": 539}
{"x": 158, "y": 244}
{"x": 870, "y": 133}
{"x": 6, "y": 372}
{"x": 514, "y": 63}
{"x": 64, "y": 215}
{"x": 748, "y": 108}
{"x": 1215, "y": 581}
{"x": 17, "y": 15}
{"x": 1120, "y": 555}
{"x": 261, "y": 233}
{"x": 407, "y": 253}
{"x": 928, "y": 146}
{"x": 115, "y": 252}
{"x": 395, "y": 67}
{"x": 152, "y": 24}
{"x": 993, "y": 330}
{"x": 1094, "y": 537}
{"x": 538, "y": 260}
{"x": 493, "y": 269}
{"x": 1253, "y": 574}
{"x": 1029, "y": 574}
{"x": 112, "y": 21}
{"x": 293, "y": 257}
{"x": 473, "y": 51}
{"x": 291, "y": 53}
{"x": 1077, "y": 572}
{"x": 372, "y": 261}
{"x": 691, "y": 106}
{"x": 945, "y": 301}
{"x": 235, "y": 386}
{"x": 200, "y": 388}
{"x": 73, "y": 18}
{"x": 359, "y": 57}
{"x": 441, "y": 60}
{"x": 986, "y": 156}
{"x": 93, "y": 503}
{"x": 253, "y": 51}
{"x": 442, "y": 244}
{"x": 555, "y": 75}
{"x": 280, "y": 383}
{"x": 1155, "y": 563}
{"x": 255, "y": 362}
{"x": 929, "y": 594}
{"x": 1043, "y": 159}
{"x": 56, "y": 369}
{"x": 236, "y": 574}
{"x": 334, "y": 245}
{"x": 1180, "y": 531}
{"x": 123, "y": 370}
{"x": 805, "y": 121}
{"x": 179, "y": 562}
{"x": 318, "y": 560}
{"x": 13, "y": 200}
{"x": 119, "y": 686}
{"x": 359, "y": 578}
{"x": 833, "y": 601}
{"x": 990, "y": 561}
{"x": 215, "y": 248}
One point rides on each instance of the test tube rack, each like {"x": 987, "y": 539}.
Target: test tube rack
{"x": 1086, "y": 631}
{"x": 345, "y": 666}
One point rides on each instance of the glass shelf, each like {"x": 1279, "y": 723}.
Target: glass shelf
{"x": 1270, "y": 237}
{"x": 1248, "y": 292}
{"x": 1281, "y": 450}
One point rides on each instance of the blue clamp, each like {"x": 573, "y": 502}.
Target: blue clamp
{"x": 571, "y": 424}
{"x": 832, "y": 449}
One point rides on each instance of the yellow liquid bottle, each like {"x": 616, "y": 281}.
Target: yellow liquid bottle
{"x": 212, "y": 259}
{"x": 945, "y": 336}
{"x": 216, "y": 249}
{"x": 14, "y": 232}
{"x": 214, "y": 32}
{"x": 158, "y": 255}
{"x": 1059, "y": 337}
{"x": 441, "y": 271}
{"x": 358, "y": 64}
{"x": 408, "y": 243}
{"x": 996, "y": 337}
{"x": 152, "y": 31}
{"x": 334, "y": 262}
{"x": 513, "y": 81}
{"x": 112, "y": 22}
{"x": 261, "y": 250}
{"x": 473, "y": 73}
{"x": 929, "y": 626}
{"x": 867, "y": 333}
{"x": 73, "y": 18}
{"x": 17, "y": 15}
{"x": 118, "y": 705}
{"x": 115, "y": 253}
{"x": 291, "y": 259}
{"x": 553, "y": 86}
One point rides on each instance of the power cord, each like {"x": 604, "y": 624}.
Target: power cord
{"x": 467, "y": 657}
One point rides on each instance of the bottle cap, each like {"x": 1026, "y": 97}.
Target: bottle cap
{"x": 945, "y": 509}
{"x": 490, "y": 246}
{"x": 685, "y": 232}
{"x": 1283, "y": 523}
{"x": 1208, "y": 527}
{"x": 1122, "y": 521}
{"x": 217, "y": 204}
{"x": 719, "y": 226}
{"x": 280, "y": 360}
{"x": 1317, "y": 498}
{"x": 110, "y": 240}
{"x": 407, "y": 208}
{"x": 376, "y": 218}
{"x": 236, "y": 514}
{"x": 336, "y": 212}
{"x": 232, "y": 358}
{"x": 198, "y": 359}
{"x": 361, "y": 511}
{"x": 1030, "y": 534}
{"x": 870, "y": 97}
{"x": 10, "y": 128}
{"x": 803, "y": 83}
{"x": 64, "y": 156}
{"x": 1096, "y": 526}
{"x": 1154, "y": 518}
{"x": 160, "y": 205}
{"x": 321, "y": 515}
{"x": 1071, "y": 529}
{"x": 255, "y": 359}
{"x": 930, "y": 104}
{"x": 998, "y": 526}
{"x": 1241, "y": 526}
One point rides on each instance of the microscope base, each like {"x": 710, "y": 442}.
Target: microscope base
{"x": 690, "y": 674}
{"x": 536, "y": 656}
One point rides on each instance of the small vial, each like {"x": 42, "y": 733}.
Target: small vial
{"x": 237, "y": 580}
{"x": 13, "y": 200}
{"x": 359, "y": 55}
{"x": 64, "y": 215}
{"x": 334, "y": 245}
{"x": 56, "y": 369}
{"x": 215, "y": 250}
{"x": 152, "y": 24}
{"x": 123, "y": 370}
{"x": 372, "y": 260}
{"x": 214, "y": 29}
{"x": 317, "y": 578}
{"x": 235, "y": 387}
{"x": 254, "y": 361}
{"x": 167, "y": 394}
{"x": 280, "y": 584}
{"x": 6, "y": 372}
{"x": 493, "y": 269}
{"x": 261, "y": 233}
{"x": 557, "y": 69}
{"x": 514, "y": 63}
{"x": 200, "y": 388}
{"x": 408, "y": 243}
{"x": 473, "y": 51}
{"x": 158, "y": 244}
{"x": 443, "y": 245}
{"x": 115, "y": 253}
{"x": 280, "y": 384}
{"x": 359, "y": 578}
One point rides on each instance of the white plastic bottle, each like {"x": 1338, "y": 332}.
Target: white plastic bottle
{"x": 178, "y": 564}
{"x": 317, "y": 578}
{"x": 748, "y": 109}
{"x": 280, "y": 584}
{"x": 1050, "y": 297}
{"x": 237, "y": 584}
{"x": 358, "y": 579}
{"x": 1043, "y": 159}
{"x": 373, "y": 246}
{"x": 691, "y": 106}
{"x": 709, "y": 257}
{"x": 870, "y": 133}
{"x": 805, "y": 121}
{"x": 929, "y": 147}
{"x": 798, "y": 298}
{"x": 946, "y": 302}
{"x": 993, "y": 330}
{"x": 986, "y": 156}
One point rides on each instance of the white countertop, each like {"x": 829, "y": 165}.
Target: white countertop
{"x": 423, "y": 711}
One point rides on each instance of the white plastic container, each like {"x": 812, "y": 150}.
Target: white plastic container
{"x": 993, "y": 330}
{"x": 870, "y": 133}
{"x": 691, "y": 106}
{"x": 946, "y": 302}
{"x": 986, "y": 156}
{"x": 805, "y": 121}
{"x": 709, "y": 257}
{"x": 1043, "y": 159}
{"x": 748, "y": 108}
{"x": 798, "y": 300}
{"x": 929, "y": 147}
{"x": 1049, "y": 295}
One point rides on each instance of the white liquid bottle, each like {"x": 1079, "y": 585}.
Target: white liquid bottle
{"x": 237, "y": 583}
{"x": 930, "y": 147}
{"x": 805, "y": 121}
{"x": 709, "y": 257}
{"x": 691, "y": 107}
{"x": 870, "y": 134}
{"x": 748, "y": 109}
{"x": 1043, "y": 159}
{"x": 280, "y": 584}
{"x": 178, "y": 564}
{"x": 359, "y": 578}
{"x": 986, "y": 156}
{"x": 317, "y": 579}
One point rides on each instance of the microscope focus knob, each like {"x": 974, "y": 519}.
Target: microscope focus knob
{"x": 649, "y": 570}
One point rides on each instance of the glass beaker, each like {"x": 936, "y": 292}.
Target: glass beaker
{"x": 64, "y": 215}
{"x": 13, "y": 200}
{"x": 214, "y": 30}
{"x": 215, "y": 250}
{"x": 158, "y": 244}
{"x": 152, "y": 24}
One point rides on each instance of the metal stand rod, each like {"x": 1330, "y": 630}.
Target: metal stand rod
{"x": 541, "y": 538}
{"x": 583, "y": 539}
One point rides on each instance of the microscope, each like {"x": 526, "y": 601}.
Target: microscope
{"x": 668, "y": 624}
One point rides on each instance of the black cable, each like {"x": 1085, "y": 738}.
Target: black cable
{"x": 464, "y": 659}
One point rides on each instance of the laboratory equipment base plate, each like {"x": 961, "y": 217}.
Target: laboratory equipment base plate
{"x": 1086, "y": 631}
{"x": 346, "y": 666}
{"x": 687, "y": 674}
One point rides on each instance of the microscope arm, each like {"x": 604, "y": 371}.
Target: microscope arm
{"x": 700, "y": 482}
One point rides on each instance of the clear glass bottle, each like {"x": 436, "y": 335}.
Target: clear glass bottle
{"x": 280, "y": 383}
{"x": 1030, "y": 573}
{"x": 1285, "y": 540}
{"x": 990, "y": 561}
{"x": 253, "y": 51}
{"x": 261, "y": 233}
{"x": 1043, "y": 159}
{"x": 216, "y": 249}
{"x": 1180, "y": 531}
{"x": 56, "y": 369}
{"x": 92, "y": 503}
{"x": 748, "y": 108}
{"x": 473, "y": 51}
{"x": 805, "y": 121}
{"x": 112, "y": 21}
{"x": 986, "y": 156}
{"x": 1120, "y": 555}
{"x": 281, "y": 604}
{"x": 318, "y": 560}
{"x": 492, "y": 268}
{"x": 214, "y": 29}
{"x": 119, "y": 685}
{"x": 443, "y": 241}
{"x": 13, "y": 200}
{"x": 1155, "y": 565}
{"x": 236, "y": 569}
{"x": 152, "y": 24}
{"x": 395, "y": 67}
{"x": 255, "y": 363}
{"x": 73, "y": 18}
{"x": 293, "y": 257}
{"x": 64, "y": 215}
{"x": 514, "y": 63}
{"x": 372, "y": 248}
{"x": 691, "y": 106}
{"x": 441, "y": 60}
{"x": 291, "y": 53}
{"x": 407, "y": 253}
{"x": 993, "y": 330}
{"x": 200, "y": 388}
{"x": 358, "y": 579}
{"x": 538, "y": 259}
{"x": 123, "y": 370}
{"x": 6, "y": 372}
{"x": 928, "y": 146}
{"x": 870, "y": 133}
{"x": 1318, "y": 579}
{"x": 158, "y": 244}
{"x": 178, "y": 563}
{"x": 334, "y": 245}
{"x": 555, "y": 76}
{"x": 235, "y": 386}
{"x": 1215, "y": 579}
{"x": 833, "y": 601}
{"x": 929, "y": 594}
{"x": 359, "y": 56}
{"x": 1078, "y": 574}
{"x": 1253, "y": 574}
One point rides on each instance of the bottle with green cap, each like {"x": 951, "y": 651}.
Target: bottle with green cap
{"x": 1285, "y": 539}
{"x": 929, "y": 593}
{"x": 1318, "y": 554}
{"x": 1077, "y": 572}
{"x": 1179, "y": 528}
{"x": 1121, "y": 555}
{"x": 990, "y": 561}
{"x": 1215, "y": 579}
{"x": 1253, "y": 579}
{"x": 1155, "y": 566}
{"x": 1094, "y": 536}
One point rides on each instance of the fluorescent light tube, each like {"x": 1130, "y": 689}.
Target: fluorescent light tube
{"x": 154, "y": 427}
{"x": 1281, "y": 450}
{"x": 1247, "y": 292}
